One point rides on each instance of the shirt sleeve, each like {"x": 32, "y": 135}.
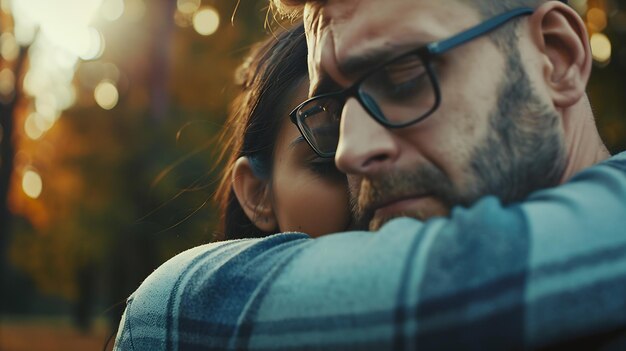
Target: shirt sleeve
{"x": 528, "y": 275}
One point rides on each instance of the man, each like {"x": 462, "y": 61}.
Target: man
{"x": 504, "y": 114}
{"x": 426, "y": 105}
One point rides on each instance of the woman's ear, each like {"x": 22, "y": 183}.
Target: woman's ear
{"x": 253, "y": 195}
{"x": 560, "y": 34}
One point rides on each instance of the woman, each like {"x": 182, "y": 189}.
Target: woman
{"x": 273, "y": 182}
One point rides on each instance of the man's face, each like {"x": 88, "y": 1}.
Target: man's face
{"x": 493, "y": 133}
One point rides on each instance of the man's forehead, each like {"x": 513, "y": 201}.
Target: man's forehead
{"x": 338, "y": 11}
{"x": 346, "y": 36}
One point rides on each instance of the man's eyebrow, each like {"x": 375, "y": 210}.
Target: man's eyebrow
{"x": 363, "y": 62}
{"x": 350, "y": 67}
{"x": 357, "y": 64}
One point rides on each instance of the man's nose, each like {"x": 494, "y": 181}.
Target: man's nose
{"x": 365, "y": 146}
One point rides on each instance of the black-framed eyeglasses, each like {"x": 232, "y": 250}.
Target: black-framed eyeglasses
{"x": 396, "y": 93}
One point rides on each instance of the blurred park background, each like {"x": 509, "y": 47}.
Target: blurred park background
{"x": 110, "y": 111}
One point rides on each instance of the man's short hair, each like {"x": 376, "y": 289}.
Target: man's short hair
{"x": 505, "y": 39}
{"x": 487, "y": 8}
{"x": 288, "y": 8}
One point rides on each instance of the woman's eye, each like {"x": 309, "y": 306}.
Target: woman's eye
{"x": 325, "y": 168}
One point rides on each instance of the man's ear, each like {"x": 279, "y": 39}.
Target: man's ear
{"x": 253, "y": 195}
{"x": 561, "y": 36}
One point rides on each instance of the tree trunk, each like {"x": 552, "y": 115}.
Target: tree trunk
{"x": 7, "y": 154}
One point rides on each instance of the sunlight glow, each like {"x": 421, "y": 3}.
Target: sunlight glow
{"x": 206, "y": 21}
{"x": 5, "y": 6}
{"x": 32, "y": 184}
{"x": 106, "y": 95}
{"x": 600, "y": 47}
{"x": 59, "y": 35}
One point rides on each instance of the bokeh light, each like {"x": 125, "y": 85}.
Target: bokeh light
{"x": 7, "y": 83}
{"x": 182, "y": 20}
{"x": 32, "y": 185}
{"x": 8, "y": 47}
{"x": 600, "y": 47}
{"x": 95, "y": 46}
{"x": 65, "y": 98}
{"x": 206, "y": 21}
{"x": 32, "y": 127}
{"x": 44, "y": 123}
{"x": 106, "y": 95}
{"x": 105, "y": 89}
{"x": 596, "y": 19}
{"x": 25, "y": 34}
{"x": 59, "y": 36}
{"x": 579, "y": 5}
{"x": 47, "y": 105}
{"x": 64, "y": 23}
{"x": 112, "y": 10}
{"x": 188, "y": 7}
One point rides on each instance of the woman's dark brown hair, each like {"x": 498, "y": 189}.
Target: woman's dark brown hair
{"x": 268, "y": 78}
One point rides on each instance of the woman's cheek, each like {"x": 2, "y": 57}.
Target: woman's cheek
{"x": 312, "y": 205}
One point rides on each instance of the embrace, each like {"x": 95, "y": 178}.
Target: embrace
{"x": 406, "y": 174}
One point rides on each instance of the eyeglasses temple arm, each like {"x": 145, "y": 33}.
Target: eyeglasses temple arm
{"x": 474, "y": 32}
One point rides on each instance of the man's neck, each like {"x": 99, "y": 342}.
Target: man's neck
{"x": 584, "y": 145}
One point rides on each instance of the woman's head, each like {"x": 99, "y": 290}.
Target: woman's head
{"x": 272, "y": 180}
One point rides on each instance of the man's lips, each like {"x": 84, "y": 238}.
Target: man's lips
{"x": 399, "y": 205}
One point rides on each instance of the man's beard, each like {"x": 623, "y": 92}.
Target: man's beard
{"x": 522, "y": 152}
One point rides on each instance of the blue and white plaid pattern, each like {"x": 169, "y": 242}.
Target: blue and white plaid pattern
{"x": 548, "y": 272}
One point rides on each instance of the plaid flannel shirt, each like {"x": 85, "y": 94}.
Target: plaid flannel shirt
{"x": 550, "y": 271}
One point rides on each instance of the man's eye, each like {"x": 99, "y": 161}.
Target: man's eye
{"x": 404, "y": 70}
{"x": 399, "y": 80}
